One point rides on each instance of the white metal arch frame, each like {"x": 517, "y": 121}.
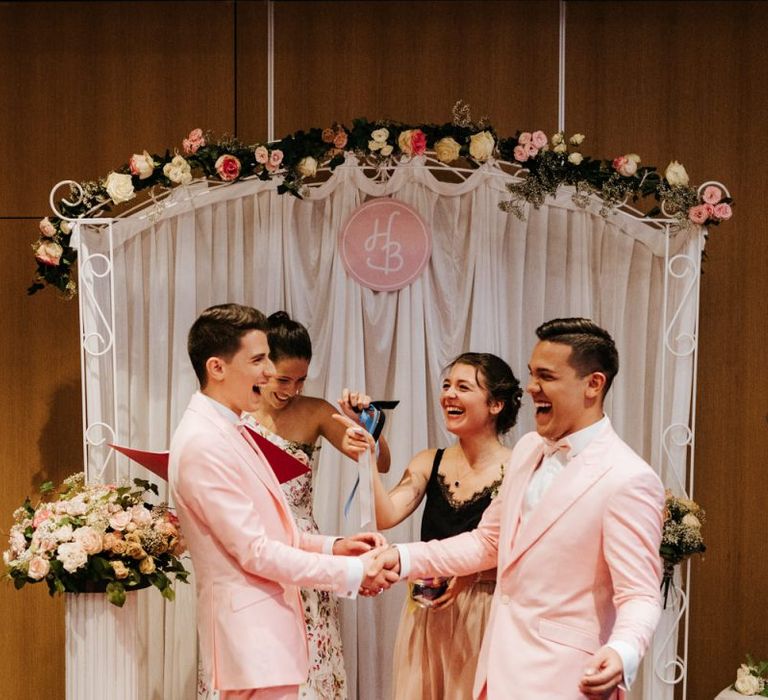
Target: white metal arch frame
{"x": 674, "y": 458}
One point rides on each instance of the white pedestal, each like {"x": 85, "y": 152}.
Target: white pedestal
{"x": 104, "y": 648}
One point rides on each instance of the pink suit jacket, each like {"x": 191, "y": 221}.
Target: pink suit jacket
{"x": 247, "y": 555}
{"x": 582, "y": 570}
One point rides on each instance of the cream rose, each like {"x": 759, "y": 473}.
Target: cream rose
{"x": 135, "y": 551}
{"x": 575, "y": 158}
{"x": 141, "y": 516}
{"x": 120, "y": 569}
{"x": 380, "y": 135}
{"x": 88, "y": 539}
{"x": 481, "y": 146}
{"x": 307, "y": 167}
{"x": 261, "y": 154}
{"x": 560, "y": 148}
{"x": 404, "y": 141}
{"x": 72, "y": 556}
{"x": 48, "y": 230}
{"x": 65, "y": 226}
{"x": 119, "y": 187}
{"x": 178, "y": 171}
{"x": 676, "y": 174}
{"x": 747, "y": 684}
{"x": 447, "y": 150}
{"x": 690, "y": 520}
{"x": 577, "y": 139}
{"x": 141, "y": 164}
{"x": 147, "y": 565}
{"x": 386, "y": 149}
{"x": 38, "y": 568}
{"x": 119, "y": 520}
{"x": 557, "y": 138}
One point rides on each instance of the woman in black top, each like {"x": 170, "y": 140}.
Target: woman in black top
{"x": 440, "y": 633}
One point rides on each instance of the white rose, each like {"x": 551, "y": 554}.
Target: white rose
{"x": 447, "y": 150}
{"x": 141, "y": 516}
{"x": 119, "y": 187}
{"x": 676, "y": 174}
{"x": 88, "y": 539}
{"x": 690, "y": 520}
{"x": 76, "y": 506}
{"x": 141, "y": 164}
{"x": 749, "y": 685}
{"x": 481, "y": 146}
{"x": 374, "y": 145}
{"x": 72, "y": 556}
{"x": 575, "y": 158}
{"x": 120, "y": 520}
{"x": 576, "y": 139}
{"x": 380, "y": 135}
{"x": 560, "y": 148}
{"x": 178, "y": 171}
{"x": 62, "y": 534}
{"x": 38, "y": 568}
{"x": 307, "y": 167}
{"x": 386, "y": 149}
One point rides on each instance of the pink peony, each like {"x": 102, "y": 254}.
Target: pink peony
{"x": 712, "y": 194}
{"x": 194, "y": 141}
{"x": 539, "y": 139}
{"x": 228, "y": 167}
{"x": 418, "y": 142}
{"x": 48, "y": 252}
{"x": 698, "y": 214}
{"x": 723, "y": 211}
{"x": 340, "y": 139}
{"x": 521, "y": 154}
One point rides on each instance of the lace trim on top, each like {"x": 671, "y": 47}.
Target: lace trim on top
{"x": 445, "y": 489}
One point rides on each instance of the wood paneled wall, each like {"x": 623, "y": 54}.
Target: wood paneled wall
{"x": 87, "y": 84}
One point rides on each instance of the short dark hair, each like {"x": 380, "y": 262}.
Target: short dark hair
{"x": 287, "y": 338}
{"x": 218, "y": 331}
{"x": 592, "y": 348}
{"x": 496, "y": 377}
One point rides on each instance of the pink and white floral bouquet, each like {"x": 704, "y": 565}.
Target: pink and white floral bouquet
{"x": 95, "y": 537}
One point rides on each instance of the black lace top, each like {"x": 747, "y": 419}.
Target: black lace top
{"x": 443, "y": 515}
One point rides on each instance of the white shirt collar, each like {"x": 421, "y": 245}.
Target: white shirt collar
{"x": 223, "y": 410}
{"x": 581, "y": 438}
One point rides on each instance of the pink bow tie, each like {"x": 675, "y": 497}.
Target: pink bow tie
{"x": 552, "y": 447}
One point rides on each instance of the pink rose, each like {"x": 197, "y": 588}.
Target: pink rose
{"x": 418, "y": 142}
{"x": 712, "y": 194}
{"x": 524, "y": 138}
{"x": 275, "y": 158}
{"x": 698, "y": 214}
{"x": 228, "y": 167}
{"x": 48, "y": 252}
{"x": 89, "y": 539}
{"x": 119, "y": 520}
{"x": 723, "y": 211}
{"x": 539, "y": 139}
{"x": 261, "y": 154}
{"x": 533, "y": 151}
{"x": 47, "y": 228}
{"x": 38, "y": 568}
{"x": 340, "y": 139}
{"x": 41, "y": 516}
{"x": 521, "y": 154}
{"x": 194, "y": 141}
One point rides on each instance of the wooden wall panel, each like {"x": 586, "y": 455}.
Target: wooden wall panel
{"x": 411, "y": 61}
{"x": 687, "y": 80}
{"x": 87, "y": 84}
{"x": 40, "y": 439}
{"x": 252, "y": 99}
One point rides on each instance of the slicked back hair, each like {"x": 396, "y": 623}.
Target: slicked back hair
{"x": 592, "y": 348}
{"x": 287, "y": 338}
{"x": 218, "y": 332}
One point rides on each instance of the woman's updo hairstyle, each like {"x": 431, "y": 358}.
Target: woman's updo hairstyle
{"x": 287, "y": 338}
{"x": 496, "y": 377}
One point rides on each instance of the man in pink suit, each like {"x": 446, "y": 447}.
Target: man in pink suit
{"x": 249, "y": 557}
{"x": 574, "y": 534}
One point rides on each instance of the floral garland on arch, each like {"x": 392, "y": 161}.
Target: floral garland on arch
{"x": 544, "y": 164}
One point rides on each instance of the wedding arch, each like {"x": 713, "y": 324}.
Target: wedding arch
{"x": 515, "y": 242}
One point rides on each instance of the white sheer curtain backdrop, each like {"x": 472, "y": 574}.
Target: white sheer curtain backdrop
{"x": 491, "y": 281}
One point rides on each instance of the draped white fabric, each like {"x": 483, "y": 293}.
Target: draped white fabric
{"x": 491, "y": 281}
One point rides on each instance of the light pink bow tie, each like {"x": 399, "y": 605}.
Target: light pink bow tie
{"x": 553, "y": 447}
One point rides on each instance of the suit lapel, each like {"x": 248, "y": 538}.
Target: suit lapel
{"x": 513, "y": 492}
{"x": 580, "y": 475}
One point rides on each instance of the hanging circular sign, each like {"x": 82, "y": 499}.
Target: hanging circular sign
{"x": 385, "y": 245}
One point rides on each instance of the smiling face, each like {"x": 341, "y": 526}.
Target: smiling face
{"x": 564, "y": 402}
{"x": 235, "y": 382}
{"x": 286, "y": 383}
{"x": 465, "y": 402}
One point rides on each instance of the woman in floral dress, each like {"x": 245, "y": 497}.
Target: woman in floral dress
{"x": 295, "y": 422}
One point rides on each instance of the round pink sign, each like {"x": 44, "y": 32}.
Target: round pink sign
{"x": 385, "y": 245}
